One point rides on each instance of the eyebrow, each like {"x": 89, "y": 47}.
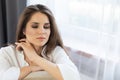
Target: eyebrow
{"x": 35, "y": 22}
{"x": 47, "y": 23}
{"x": 39, "y": 23}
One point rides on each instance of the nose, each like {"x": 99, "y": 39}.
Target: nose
{"x": 41, "y": 30}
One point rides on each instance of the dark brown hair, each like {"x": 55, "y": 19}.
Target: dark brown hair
{"x": 54, "y": 38}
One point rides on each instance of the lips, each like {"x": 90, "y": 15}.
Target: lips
{"x": 41, "y": 38}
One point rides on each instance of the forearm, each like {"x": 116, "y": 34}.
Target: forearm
{"x": 49, "y": 67}
{"x": 24, "y": 72}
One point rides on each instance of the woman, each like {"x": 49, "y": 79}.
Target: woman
{"x": 38, "y": 47}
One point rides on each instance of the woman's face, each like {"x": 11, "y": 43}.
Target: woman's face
{"x": 38, "y": 29}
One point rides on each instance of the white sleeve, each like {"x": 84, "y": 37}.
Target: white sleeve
{"x": 7, "y": 71}
{"x": 68, "y": 70}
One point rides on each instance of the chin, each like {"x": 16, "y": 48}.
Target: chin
{"x": 40, "y": 45}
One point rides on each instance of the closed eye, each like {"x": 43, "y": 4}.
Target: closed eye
{"x": 47, "y": 26}
{"x": 35, "y": 25}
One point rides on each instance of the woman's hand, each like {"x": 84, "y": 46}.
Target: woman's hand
{"x": 34, "y": 67}
{"x": 29, "y": 53}
{"x": 27, "y": 48}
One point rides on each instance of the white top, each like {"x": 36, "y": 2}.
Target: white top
{"x": 11, "y": 61}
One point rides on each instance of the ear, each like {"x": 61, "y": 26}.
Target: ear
{"x": 24, "y": 32}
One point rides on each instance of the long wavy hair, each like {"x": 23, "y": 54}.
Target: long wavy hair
{"x": 26, "y": 15}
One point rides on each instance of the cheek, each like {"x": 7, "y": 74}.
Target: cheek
{"x": 30, "y": 32}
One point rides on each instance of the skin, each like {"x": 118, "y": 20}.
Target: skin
{"x": 37, "y": 34}
{"x": 38, "y": 30}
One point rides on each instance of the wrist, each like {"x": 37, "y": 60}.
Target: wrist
{"x": 24, "y": 71}
{"x": 28, "y": 69}
{"x": 33, "y": 58}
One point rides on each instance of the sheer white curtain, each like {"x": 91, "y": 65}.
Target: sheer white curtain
{"x": 92, "y": 26}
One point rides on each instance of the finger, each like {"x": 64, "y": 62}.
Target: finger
{"x": 22, "y": 40}
{"x": 19, "y": 46}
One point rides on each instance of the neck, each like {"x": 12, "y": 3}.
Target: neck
{"x": 38, "y": 49}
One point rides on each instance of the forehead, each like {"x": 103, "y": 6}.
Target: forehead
{"x": 39, "y": 17}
